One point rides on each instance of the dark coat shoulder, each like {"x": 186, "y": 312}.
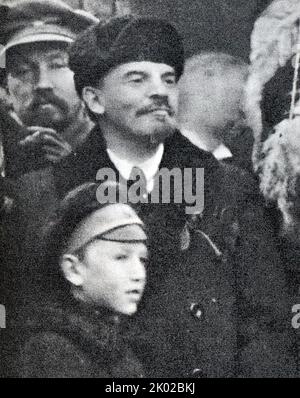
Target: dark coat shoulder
{"x": 77, "y": 342}
{"x": 50, "y": 355}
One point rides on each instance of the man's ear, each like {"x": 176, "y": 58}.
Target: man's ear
{"x": 94, "y": 100}
{"x": 73, "y": 269}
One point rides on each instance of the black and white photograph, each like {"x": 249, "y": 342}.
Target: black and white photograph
{"x": 149, "y": 184}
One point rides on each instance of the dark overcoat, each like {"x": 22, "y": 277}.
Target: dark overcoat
{"x": 216, "y": 303}
{"x": 72, "y": 341}
{"x": 31, "y": 181}
{"x": 28, "y": 198}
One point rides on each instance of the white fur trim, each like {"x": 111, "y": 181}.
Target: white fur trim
{"x": 269, "y": 51}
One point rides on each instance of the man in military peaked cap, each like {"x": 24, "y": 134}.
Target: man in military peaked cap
{"x": 35, "y": 36}
{"x": 48, "y": 20}
{"x": 211, "y": 307}
{"x": 49, "y": 119}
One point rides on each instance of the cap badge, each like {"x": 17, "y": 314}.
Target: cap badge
{"x": 38, "y": 23}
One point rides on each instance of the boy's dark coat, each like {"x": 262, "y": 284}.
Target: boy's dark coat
{"x": 72, "y": 342}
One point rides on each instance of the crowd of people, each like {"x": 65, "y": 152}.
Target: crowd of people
{"x": 97, "y": 278}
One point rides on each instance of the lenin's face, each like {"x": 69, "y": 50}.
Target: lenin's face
{"x": 139, "y": 98}
{"x": 41, "y": 86}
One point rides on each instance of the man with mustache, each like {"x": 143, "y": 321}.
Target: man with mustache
{"x": 36, "y": 36}
{"x": 214, "y": 305}
{"x": 47, "y": 120}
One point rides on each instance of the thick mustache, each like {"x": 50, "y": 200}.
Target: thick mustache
{"x": 47, "y": 99}
{"x": 152, "y": 108}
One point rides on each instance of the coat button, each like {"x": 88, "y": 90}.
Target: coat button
{"x": 196, "y": 311}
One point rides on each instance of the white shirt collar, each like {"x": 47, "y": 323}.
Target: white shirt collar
{"x": 149, "y": 167}
{"x": 220, "y": 153}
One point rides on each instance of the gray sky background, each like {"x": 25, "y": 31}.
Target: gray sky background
{"x": 223, "y": 25}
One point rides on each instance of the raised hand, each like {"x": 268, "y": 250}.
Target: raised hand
{"x": 47, "y": 143}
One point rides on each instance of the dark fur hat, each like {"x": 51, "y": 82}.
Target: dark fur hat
{"x": 121, "y": 40}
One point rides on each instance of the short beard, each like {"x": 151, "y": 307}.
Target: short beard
{"x": 59, "y": 125}
{"x": 159, "y": 136}
{"x": 45, "y": 120}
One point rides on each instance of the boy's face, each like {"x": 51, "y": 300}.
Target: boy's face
{"x": 114, "y": 275}
{"x": 106, "y": 273}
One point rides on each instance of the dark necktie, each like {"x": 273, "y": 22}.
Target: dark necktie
{"x": 138, "y": 184}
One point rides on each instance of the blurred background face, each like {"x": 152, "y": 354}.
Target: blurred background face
{"x": 140, "y": 98}
{"x": 115, "y": 275}
{"x": 212, "y": 99}
{"x": 40, "y": 85}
